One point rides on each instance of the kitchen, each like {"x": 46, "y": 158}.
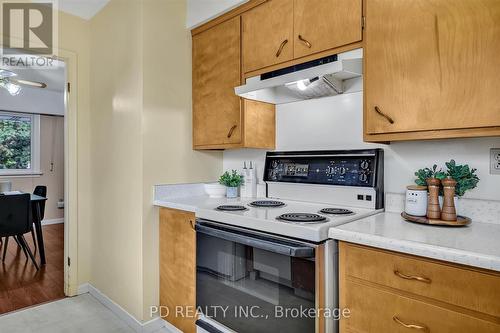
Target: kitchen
{"x": 332, "y": 114}
{"x": 329, "y": 98}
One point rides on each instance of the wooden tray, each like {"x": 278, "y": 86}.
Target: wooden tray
{"x": 460, "y": 222}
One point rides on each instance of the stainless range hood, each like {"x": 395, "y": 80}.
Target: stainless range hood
{"x": 324, "y": 77}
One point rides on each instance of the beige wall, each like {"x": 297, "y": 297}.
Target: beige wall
{"x": 167, "y": 142}
{"x": 51, "y": 144}
{"x": 141, "y": 136}
{"x": 116, "y": 153}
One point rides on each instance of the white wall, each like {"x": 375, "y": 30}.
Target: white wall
{"x": 336, "y": 123}
{"x": 201, "y": 11}
{"x": 33, "y": 100}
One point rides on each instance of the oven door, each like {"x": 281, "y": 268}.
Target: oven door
{"x": 255, "y": 282}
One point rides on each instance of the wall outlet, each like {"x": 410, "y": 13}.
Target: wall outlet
{"x": 495, "y": 161}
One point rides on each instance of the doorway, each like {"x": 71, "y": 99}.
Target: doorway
{"x": 21, "y": 284}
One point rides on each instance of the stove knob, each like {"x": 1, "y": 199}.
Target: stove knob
{"x": 274, "y": 164}
{"x": 365, "y": 165}
{"x": 342, "y": 171}
{"x": 330, "y": 171}
{"x": 363, "y": 177}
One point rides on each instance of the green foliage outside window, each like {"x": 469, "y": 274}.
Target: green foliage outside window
{"x": 15, "y": 142}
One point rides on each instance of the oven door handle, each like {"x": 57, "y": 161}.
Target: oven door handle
{"x": 285, "y": 248}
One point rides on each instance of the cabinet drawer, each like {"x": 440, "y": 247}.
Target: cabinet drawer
{"x": 374, "y": 310}
{"x": 472, "y": 289}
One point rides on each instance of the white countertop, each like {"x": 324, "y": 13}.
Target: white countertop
{"x": 476, "y": 245}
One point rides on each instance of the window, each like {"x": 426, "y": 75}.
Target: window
{"x": 19, "y": 144}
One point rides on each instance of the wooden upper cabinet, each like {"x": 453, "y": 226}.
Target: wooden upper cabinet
{"x": 321, "y": 25}
{"x": 216, "y": 71}
{"x": 431, "y": 65}
{"x": 267, "y": 35}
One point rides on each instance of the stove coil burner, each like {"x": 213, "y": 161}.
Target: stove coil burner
{"x": 302, "y": 218}
{"x": 231, "y": 208}
{"x": 336, "y": 211}
{"x": 267, "y": 203}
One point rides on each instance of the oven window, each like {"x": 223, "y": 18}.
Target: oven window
{"x": 252, "y": 290}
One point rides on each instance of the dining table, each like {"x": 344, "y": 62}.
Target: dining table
{"x": 36, "y": 200}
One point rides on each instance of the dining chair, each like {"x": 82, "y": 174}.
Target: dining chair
{"x": 15, "y": 221}
{"x": 40, "y": 190}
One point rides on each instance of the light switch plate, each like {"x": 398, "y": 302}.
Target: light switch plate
{"x": 495, "y": 161}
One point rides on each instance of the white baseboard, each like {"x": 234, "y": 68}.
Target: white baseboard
{"x": 53, "y": 221}
{"x": 83, "y": 289}
{"x": 153, "y": 325}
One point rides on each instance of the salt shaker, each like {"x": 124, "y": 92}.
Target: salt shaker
{"x": 433, "y": 209}
{"x": 449, "y": 212}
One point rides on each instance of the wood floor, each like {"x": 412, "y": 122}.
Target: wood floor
{"x": 21, "y": 285}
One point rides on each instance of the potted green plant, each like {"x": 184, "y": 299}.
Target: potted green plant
{"x": 232, "y": 181}
{"x": 426, "y": 173}
{"x": 465, "y": 177}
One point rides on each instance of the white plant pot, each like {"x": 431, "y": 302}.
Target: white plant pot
{"x": 231, "y": 192}
{"x": 215, "y": 190}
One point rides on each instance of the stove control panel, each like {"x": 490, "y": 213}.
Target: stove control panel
{"x": 347, "y": 168}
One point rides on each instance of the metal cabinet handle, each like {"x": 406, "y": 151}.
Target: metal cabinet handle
{"x": 412, "y": 277}
{"x": 230, "y": 133}
{"x": 283, "y": 43}
{"x": 389, "y": 119}
{"x": 192, "y": 224}
{"x": 305, "y": 41}
{"x": 411, "y": 326}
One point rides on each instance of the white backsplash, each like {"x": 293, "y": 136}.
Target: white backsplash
{"x": 485, "y": 211}
{"x": 336, "y": 123}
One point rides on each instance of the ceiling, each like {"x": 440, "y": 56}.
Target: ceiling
{"x": 54, "y": 76}
{"x": 85, "y": 9}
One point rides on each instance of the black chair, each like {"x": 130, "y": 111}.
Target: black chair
{"x": 15, "y": 221}
{"x": 40, "y": 190}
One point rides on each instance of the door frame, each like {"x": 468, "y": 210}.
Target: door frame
{"x": 70, "y": 59}
{"x": 71, "y": 282}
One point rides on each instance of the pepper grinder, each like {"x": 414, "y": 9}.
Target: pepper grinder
{"x": 433, "y": 209}
{"x": 449, "y": 212}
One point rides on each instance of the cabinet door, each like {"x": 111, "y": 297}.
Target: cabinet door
{"x": 377, "y": 310}
{"x": 178, "y": 266}
{"x": 320, "y": 25}
{"x": 260, "y": 125}
{"x": 216, "y": 71}
{"x": 431, "y": 65}
{"x": 268, "y": 35}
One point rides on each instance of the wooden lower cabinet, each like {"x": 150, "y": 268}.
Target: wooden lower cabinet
{"x": 178, "y": 266}
{"x": 392, "y": 292}
{"x": 377, "y": 310}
